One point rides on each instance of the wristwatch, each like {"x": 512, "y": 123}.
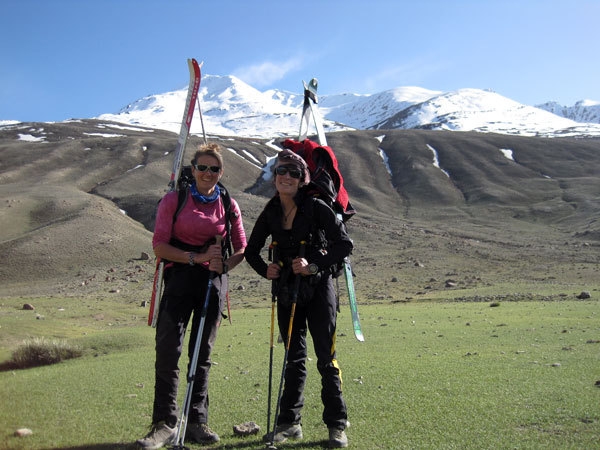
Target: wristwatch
{"x": 313, "y": 269}
{"x": 192, "y": 255}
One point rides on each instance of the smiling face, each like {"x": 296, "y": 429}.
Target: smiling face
{"x": 287, "y": 180}
{"x": 206, "y": 179}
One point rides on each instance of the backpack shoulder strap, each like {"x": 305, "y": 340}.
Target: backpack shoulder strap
{"x": 182, "y": 196}
{"x": 226, "y": 198}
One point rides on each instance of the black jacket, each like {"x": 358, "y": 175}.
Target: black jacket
{"x": 312, "y": 215}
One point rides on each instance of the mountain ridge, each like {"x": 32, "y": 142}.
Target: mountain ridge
{"x": 231, "y": 107}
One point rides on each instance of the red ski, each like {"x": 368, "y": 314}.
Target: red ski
{"x": 184, "y": 132}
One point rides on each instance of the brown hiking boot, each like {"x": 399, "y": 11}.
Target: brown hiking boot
{"x": 160, "y": 435}
{"x": 337, "y": 438}
{"x": 201, "y": 434}
{"x": 283, "y": 432}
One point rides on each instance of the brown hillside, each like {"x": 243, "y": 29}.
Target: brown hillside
{"x": 77, "y": 208}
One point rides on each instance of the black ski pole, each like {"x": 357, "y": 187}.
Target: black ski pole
{"x": 193, "y": 365}
{"x": 270, "y": 444}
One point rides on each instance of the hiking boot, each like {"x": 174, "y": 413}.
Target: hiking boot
{"x": 201, "y": 434}
{"x": 160, "y": 435}
{"x": 283, "y": 432}
{"x": 337, "y": 438}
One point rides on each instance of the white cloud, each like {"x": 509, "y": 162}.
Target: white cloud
{"x": 410, "y": 73}
{"x": 266, "y": 73}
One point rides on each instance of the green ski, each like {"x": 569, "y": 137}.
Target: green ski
{"x": 309, "y": 109}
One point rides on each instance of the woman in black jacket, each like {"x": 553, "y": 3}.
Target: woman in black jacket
{"x": 293, "y": 218}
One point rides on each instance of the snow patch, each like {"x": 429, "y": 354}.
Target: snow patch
{"x": 123, "y": 127}
{"x": 106, "y": 135}
{"x": 436, "y": 161}
{"x": 507, "y": 153}
{"x": 386, "y": 160}
{"x": 244, "y": 157}
{"x": 4, "y": 123}
{"x": 31, "y": 138}
{"x": 252, "y": 157}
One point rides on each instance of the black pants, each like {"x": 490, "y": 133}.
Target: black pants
{"x": 319, "y": 317}
{"x": 185, "y": 293}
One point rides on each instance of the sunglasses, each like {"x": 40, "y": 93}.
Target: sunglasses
{"x": 204, "y": 168}
{"x": 294, "y": 173}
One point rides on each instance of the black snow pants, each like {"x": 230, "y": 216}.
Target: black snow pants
{"x": 185, "y": 293}
{"x": 318, "y": 316}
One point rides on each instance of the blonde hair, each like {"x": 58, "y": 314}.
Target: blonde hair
{"x": 212, "y": 149}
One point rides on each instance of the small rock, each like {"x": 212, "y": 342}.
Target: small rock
{"x": 145, "y": 256}
{"x": 450, "y": 283}
{"x": 584, "y": 295}
{"x": 246, "y": 429}
{"x": 22, "y": 432}
{"x": 28, "y": 307}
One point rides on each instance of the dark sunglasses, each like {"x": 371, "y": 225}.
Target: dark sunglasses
{"x": 294, "y": 173}
{"x": 204, "y": 168}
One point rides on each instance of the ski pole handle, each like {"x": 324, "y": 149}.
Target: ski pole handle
{"x": 218, "y": 239}
{"x": 274, "y": 258}
{"x": 298, "y": 277}
{"x": 273, "y": 252}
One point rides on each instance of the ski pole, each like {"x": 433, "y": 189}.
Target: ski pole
{"x": 274, "y": 257}
{"x": 287, "y": 345}
{"x": 193, "y": 365}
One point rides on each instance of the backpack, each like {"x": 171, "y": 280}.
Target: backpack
{"x": 317, "y": 238}
{"x": 326, "y": 181}
{"x": 184, "y": 182}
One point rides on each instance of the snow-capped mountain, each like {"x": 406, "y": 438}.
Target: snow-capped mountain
{"x": 231, "y": 107}
{"x": 366, "y": 111}
{"x": 582, "y": 111}
{"x": 483, "y": 111}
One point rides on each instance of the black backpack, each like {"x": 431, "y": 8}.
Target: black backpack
{"x": 317, "y": 238}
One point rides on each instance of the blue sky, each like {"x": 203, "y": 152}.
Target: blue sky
{"x": 65, "y": 59}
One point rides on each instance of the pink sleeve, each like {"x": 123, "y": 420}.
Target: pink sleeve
{"x": 238, "y": 234}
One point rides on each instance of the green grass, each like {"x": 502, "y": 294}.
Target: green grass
{"x": 431, "y": 375}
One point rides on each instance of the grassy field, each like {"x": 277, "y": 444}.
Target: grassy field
{"x": 431, "y": 375}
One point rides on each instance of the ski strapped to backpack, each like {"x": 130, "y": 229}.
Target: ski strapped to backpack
{"x": 326, "y": 182}
{"x": 186, "y": 122}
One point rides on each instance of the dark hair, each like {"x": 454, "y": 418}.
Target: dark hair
{"x": 289, "y": 158}
{"x": 212, "y": 149}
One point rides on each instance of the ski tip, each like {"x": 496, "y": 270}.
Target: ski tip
{"x": 360, "y": 337}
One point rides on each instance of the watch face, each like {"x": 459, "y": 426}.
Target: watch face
{"x": 313, "y": 268}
